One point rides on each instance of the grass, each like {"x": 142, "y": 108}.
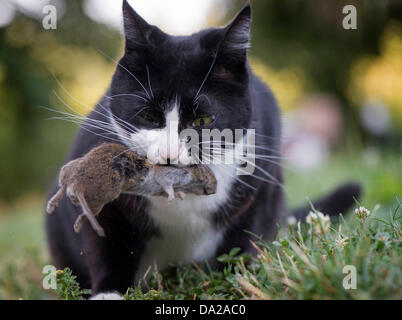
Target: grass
{"x": 304, "y": 262}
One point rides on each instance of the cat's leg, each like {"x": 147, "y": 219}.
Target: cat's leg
{"x": 113, "y": 260}
{"x": 260, "y": 218}
{"x": 107, "y": 296}
{"x": 64, "y": 244}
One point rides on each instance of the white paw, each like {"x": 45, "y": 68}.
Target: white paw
{"x": 107, "y": 296}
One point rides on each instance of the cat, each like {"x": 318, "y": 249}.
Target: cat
{"x": 162, "y": 85}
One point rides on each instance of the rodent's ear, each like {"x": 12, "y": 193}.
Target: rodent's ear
{"x": 138, "y": 32}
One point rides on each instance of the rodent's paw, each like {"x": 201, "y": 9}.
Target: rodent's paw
{"x": 170, "y": 192}
{"x": 50, "y": 207}
{"x": 181, "y": 195}
{"x": 107, "y": 296}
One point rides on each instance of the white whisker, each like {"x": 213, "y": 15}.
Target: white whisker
{"x": 149, "y": 82}
{"x": 270, "y": 176}
{"x": 127, "y": 94}
{"x": 236, "y": 178}
{"x": 120, "y": 65}
{"x": 84, "y": 105}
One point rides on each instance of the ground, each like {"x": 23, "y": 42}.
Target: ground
{"x": 304, "y": 262}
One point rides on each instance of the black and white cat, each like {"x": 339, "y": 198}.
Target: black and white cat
{"x": 163, "y": 85}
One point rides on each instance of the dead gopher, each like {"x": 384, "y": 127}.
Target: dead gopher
{"x": 110, "y": 170}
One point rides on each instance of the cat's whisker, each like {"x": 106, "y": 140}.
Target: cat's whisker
{"x": 149, "y": 82}
{"x": 240, "y": 157}
{"x": 264, "y": 172}
{"x": 202, "y": 95}
{"x": 95, "y": 133}
{"x": 269, "y": 156}
{"x": 236, "y": 178}
{"x": 129, "y": 149}
{"x": 220, "y": 143}
{"x": 264, "y": 160}
{"x": 128, "y": 95}
{"x": 208, "y": 73}
{"x": 255, "y": 154}
{"x": 88, "y": 124}
{"x": 144, "y": 108}
{"x": 82, "y": 120}
{"x": 108, "y": 97}
{"x": 264, "y": 136}
{"x": 68, "y": 106}
{"x": 107, "y": 127}
{"x": 100, "y": 135}
{"x": 81, "y": 103}
{"x": 124, "y": 68}
{"x": 101, "y": 124}
{"x": 245, "y": 183}
{"x": 124, "y": 125}
{"x": 75, "y": 99}
{"x": 272, "y": 180}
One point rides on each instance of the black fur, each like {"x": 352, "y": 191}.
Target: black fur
{"x": 179, "y": 67}
{"x": 335, "y": 203}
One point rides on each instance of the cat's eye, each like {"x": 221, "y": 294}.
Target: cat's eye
{"x": 150, "y": 117}
{"x": 203, "y": 121}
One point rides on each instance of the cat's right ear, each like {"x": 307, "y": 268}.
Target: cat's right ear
{"x": 138, "y": 32}
{"x": 237, "y": 35}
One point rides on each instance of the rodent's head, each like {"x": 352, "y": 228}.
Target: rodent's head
{"x": 175, "y": 176}
{"x": 130, "y": 166}
{"x": 193, "y": 179}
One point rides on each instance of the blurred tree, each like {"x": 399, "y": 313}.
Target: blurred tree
{"x": 30, "y": 147}
{"x": 305, "y": 39}
{"x": 309, "y": 34}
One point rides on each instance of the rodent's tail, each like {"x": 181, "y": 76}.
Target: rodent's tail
{"x": 338, "y": 201}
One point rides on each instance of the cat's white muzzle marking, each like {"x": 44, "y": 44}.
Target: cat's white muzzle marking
{"x": 161, "y": 145}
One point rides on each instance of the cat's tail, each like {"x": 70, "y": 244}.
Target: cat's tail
{"x": 338, "y": 201}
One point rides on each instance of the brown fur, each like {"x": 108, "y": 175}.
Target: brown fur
{"x": 110, "y": 170}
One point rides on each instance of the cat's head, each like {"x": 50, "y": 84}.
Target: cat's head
{"x": 164, "y": 84}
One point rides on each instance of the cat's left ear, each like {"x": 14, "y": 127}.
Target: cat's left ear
{"x": 138, "y": 32}
{"x": 237, "y": 36}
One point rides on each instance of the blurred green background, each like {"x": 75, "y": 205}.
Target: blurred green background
{"x": 342, "y": 89}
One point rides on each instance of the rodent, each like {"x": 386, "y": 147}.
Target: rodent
{"x": 111, "y": 169}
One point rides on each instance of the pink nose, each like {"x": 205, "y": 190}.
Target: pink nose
{"x": 169, "y": 154}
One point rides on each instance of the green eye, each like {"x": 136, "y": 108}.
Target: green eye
{"x": 203, "y": 121}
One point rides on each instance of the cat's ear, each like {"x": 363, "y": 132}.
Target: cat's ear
{"x": 232, "y": 50}
{"x": 237, "y": 33}
{"x": 138, "y": 32}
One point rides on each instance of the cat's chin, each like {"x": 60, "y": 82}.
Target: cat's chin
{"x": 107, "y": 296}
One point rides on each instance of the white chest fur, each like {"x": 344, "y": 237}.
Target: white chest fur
{"x": 186, "y": 227}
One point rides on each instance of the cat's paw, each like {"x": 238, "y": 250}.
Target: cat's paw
{"x": 107, "y": 296}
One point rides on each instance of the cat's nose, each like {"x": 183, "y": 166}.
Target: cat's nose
{"x": 171, "y": 153}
